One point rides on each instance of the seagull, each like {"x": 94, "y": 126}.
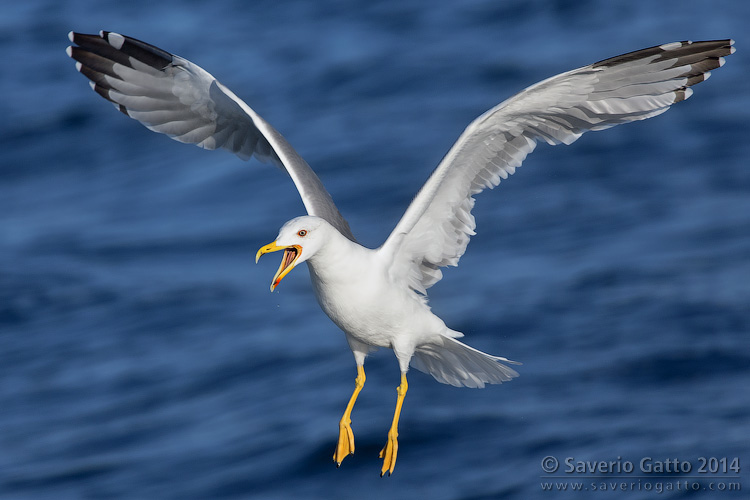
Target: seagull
{"x": 378, "y": 297}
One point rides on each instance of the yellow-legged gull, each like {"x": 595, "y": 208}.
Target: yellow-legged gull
{"x": 378, "y": 297}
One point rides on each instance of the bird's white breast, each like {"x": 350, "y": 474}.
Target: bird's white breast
{"x": 354, "y": 290}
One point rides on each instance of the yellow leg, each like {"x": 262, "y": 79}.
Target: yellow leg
{"x": 390, "y": 450}
{"x": 345, "y": 445}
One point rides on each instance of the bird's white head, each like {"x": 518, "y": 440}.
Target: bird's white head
{"x": 300, "y": 238}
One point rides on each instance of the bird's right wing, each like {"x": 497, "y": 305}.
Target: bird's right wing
{"x": 436, "y": 228}
{"x": 171, "y": 95}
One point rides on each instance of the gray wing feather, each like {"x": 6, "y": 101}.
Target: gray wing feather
{"x": 172, "y": 96}
{"x": 436, "y": 227}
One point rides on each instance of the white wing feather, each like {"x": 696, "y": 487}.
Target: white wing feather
{"x": 435, "y": 229}
{"x": 172, "y": 96}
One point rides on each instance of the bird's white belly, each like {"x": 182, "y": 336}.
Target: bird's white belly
{"x": 376, "y": 314}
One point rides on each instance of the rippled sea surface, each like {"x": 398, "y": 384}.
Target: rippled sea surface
{"x": 142, "y": 356}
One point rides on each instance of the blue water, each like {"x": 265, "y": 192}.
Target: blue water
{"x": 142, "y": 356}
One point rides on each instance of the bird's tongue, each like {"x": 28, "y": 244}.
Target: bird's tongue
{"x": 289, "y": 255}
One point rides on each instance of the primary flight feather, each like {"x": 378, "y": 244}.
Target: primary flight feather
{"x": 378, "y": 297}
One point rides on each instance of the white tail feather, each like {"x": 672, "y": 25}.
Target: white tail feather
{"x": 452, "y": 362}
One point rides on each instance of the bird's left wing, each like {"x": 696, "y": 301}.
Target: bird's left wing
{"x": 436, "y": 228}
{"x": 171, "y": 95}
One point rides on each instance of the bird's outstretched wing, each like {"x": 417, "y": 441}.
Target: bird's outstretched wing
{"x": 171, "y": 95}
{"x": 436, "y": 228}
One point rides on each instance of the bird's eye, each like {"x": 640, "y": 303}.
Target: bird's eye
{"x": 302, "y": 233}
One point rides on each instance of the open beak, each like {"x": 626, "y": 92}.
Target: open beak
{"x": 291, "y": 254}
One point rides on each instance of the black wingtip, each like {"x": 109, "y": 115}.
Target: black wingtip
{"x": 121, "y": 48}
{"x": 683, "y": 52}
{"x": 142, "y": 51}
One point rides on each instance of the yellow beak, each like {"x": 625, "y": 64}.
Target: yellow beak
{"x": 291, "y": 254}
